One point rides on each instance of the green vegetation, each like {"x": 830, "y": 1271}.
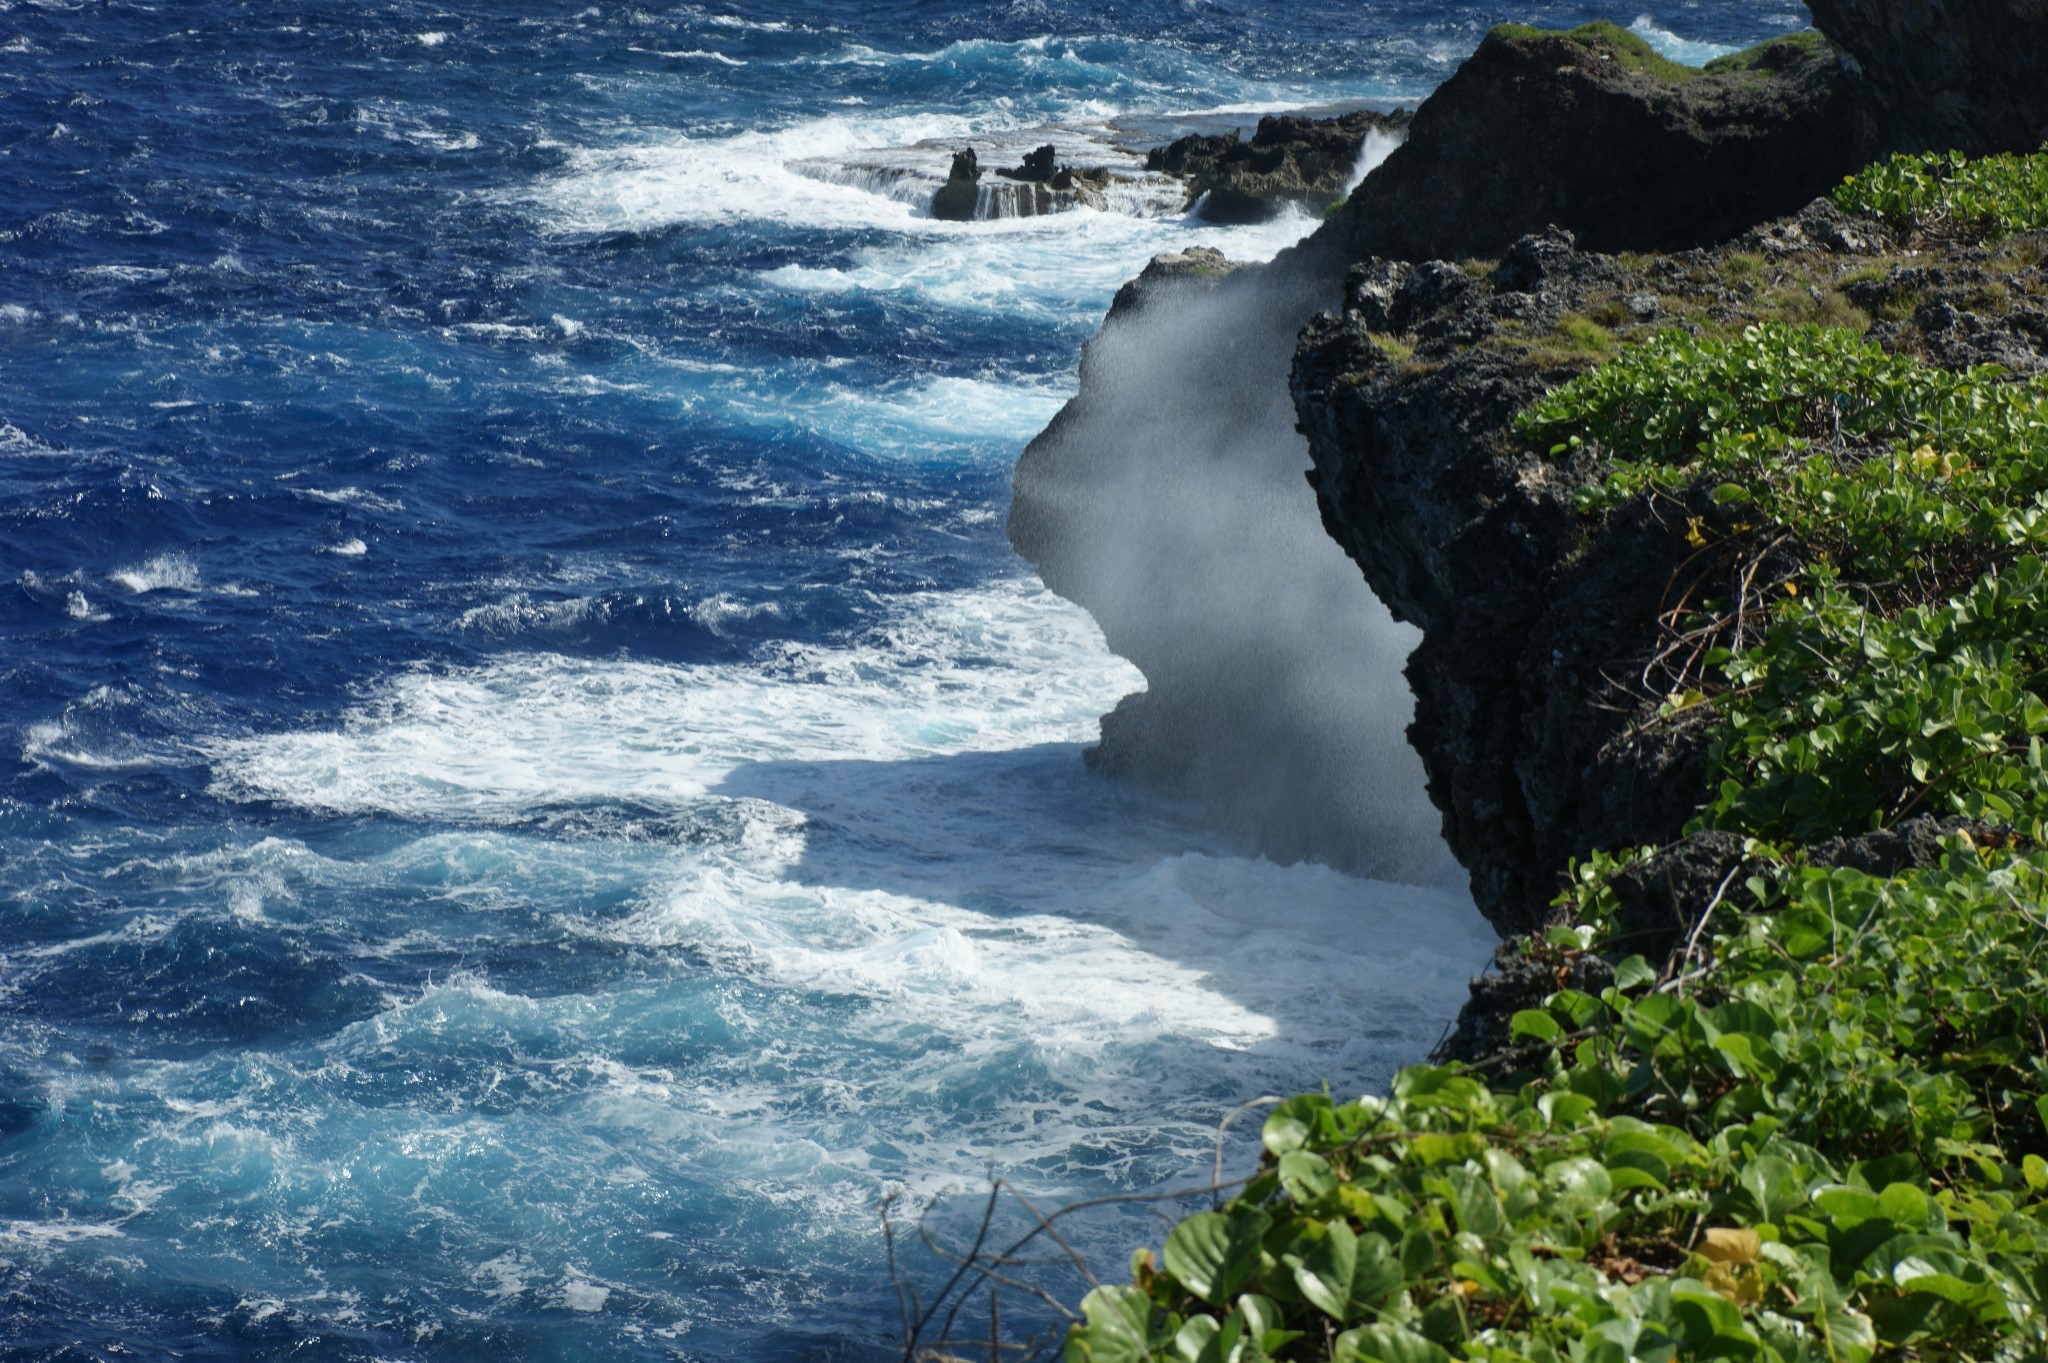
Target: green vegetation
{"x": 1997, "y": 194}
{"x": 1819, "y": 1130}
{"x": 1607, "y": 40}
{"x": 1898, "y": 669}
{"x": 1584, "y": 335}
{"x": 1752, "y": 58}
{"x": 1612, "y": 41}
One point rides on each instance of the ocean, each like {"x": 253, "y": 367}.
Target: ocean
{"x": 534, "y": 794}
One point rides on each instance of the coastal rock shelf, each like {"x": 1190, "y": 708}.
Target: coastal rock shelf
{"x": 1299, "y": 162}
{"x": 1116, "y": 181}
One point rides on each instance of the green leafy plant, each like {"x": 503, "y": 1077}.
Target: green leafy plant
{"x": 1819, "y": 1130}
{"x": 2002, "y": 194}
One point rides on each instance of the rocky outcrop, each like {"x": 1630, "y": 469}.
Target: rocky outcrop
{"x": 1939, "y": 75}
{"x": 1524, "y": 708}
{"x": 1538, "y": 679}
{"x": 1309, "y": 162}
{"x": 1591, "y": 132}
{"x": 1038, "y": 165}
{"x": 956, "y": 199}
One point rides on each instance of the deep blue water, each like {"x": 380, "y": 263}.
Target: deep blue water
{"x": 532, "y": 789}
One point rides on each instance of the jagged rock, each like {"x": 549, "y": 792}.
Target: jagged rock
{"x": 1289, "y": 159}
{"x": 1037, "y": 166}
{"x": 1550, "y": 128}
{"x": 956, "y": 199}
{"x": 1534, "y": 699}
{"x": 1942, "y": 75}
{"x": 1530, "y": 704}
{"x": 1661, "y": 900}
{"x": 1522, "y": 727}
{"x": 1512, "y": 983}
{"x": 1198, "y": 266}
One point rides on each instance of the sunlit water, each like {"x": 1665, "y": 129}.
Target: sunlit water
{"x": 532, "y": 790}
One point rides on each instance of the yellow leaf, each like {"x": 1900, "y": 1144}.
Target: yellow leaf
{"x": 1791, "y": 589}
{"x": 1692, "y": 532}
{"x": 1743, "y": 1289}
{"x": 1683, "y": 700}
{"x": 1726, "y": 1245}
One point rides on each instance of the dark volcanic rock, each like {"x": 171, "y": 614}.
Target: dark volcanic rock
{"x": 1036, "y": 166}
{"x": 1528, "y": 709}
{"x": 1289, "y": 159}
{"x": 1554, "y": 129}
{"x": 1942, "y": 75}
{"x": 1522, "y": 723}
{"x": 1536, "y": 682}
{"x": 1513, "y": 982}
{"x": 1662, "y": 900}
{"x": 956, "y": 198}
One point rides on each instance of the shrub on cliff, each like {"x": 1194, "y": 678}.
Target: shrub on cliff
{"x": 2000, "y": 194}
{"x": 1819, "y": 1130}
{"x": 1901, "y": 667}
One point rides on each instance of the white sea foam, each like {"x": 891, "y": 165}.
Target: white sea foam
{"x": 692, "y": 54}
{"x": 906, "y": 823}
{"x": 1065, "y": 267}
{"x": 165, "y": 572}
{"x": 785, "y": 176}
{"x": 49, "y": 1234}
{"x": 979, "y": 671}
{"x": 352, "y": 496}
{"x": 125, "y": 274}
{"x": 349, "y": 548}
{"x": 902, "y": 418}
{"x": 79, "y": 607}
{"x": 60, "y": 743}
{"x": 738, "y": 178}
{"x": 431, "y": 38}
{"x": 95, "y": 733}
{"x": 579, "y": 1293}
{"x": 1669, "y": 44}
{"x": 17, "y": 443}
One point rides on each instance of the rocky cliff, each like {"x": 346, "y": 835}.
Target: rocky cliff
{"x": 1546, "y": 638}
{"x": 1167, "y": 499}
{"x": 1937, "y": 75}
{"x": 1474, "y": 269}
{"x": 1308, "y": 162}
{"x": 1592, "y": 131}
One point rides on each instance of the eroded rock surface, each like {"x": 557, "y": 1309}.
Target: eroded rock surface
{"x": 1549, "y": 129}
{"x": 1943, "y": 75}
{"x": 1309, "y": 162}
{"x": 1537, "y": 682}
